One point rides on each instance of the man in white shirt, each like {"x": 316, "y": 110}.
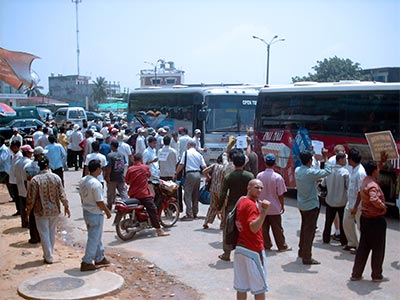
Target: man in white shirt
{"x": 183, "y": 141}
{"x": 37, "y": 134}
{"x": 194, "y": 165}
{"x": 16, "y": 136}
{"x": 16, "y": 155}
{"x": 141, "y": 141}
{"x": 175, "y": 142}
{"x": 352, "y": 211}
{"x": 337, "y": 184}
{"x": 150, "y": 157}
{"x": 100, "y": 157}
{"x": 124, "y": 149}
{"x": 161, "y": 132}
{"x": 76, "y": 138}
{"x": 43, "y": 141}
{"x": 168, "y": 159}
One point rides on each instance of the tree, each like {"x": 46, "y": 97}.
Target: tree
{"x": 99, "y": 91}
{"x": 334, "y": 69}
{"x": 34, "y": 91}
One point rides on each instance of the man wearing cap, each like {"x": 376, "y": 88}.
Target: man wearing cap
{"x": 274, "y": 188}
{"x": 141, "y": 141}
{"x": 56, "y": 155}
{"x": 75, "y": 139}
{"x": 16, "y": 136}
{"x": 32, "y": 169}
{"x": 150, "y": 157}
{"x": 44, "y": 197}
{"x": 113, "y": 135}
{"x": 197, "y": 140}
{"x": 21, "y": 178}
{"x": 88, "y": 145}
{"x": 161, "y": 132}
{"x": 98, "y": 156}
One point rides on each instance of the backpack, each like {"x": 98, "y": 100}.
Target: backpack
{"x": 231, "y": 231}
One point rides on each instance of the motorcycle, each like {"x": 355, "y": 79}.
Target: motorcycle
{"x": 132, "y": 217}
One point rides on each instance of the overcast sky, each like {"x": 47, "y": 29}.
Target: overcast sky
{"x": 211, "y": 40}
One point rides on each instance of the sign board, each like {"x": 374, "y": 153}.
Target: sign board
{"x": 382, "y": 141}
{"x": 241, "y": 142}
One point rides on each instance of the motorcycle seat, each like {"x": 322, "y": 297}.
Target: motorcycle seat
{"x": 132, "y": 201}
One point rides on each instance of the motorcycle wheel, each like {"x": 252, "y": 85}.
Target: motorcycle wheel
{"x": 122, "y": 227}
{"x": 169, "y": 215}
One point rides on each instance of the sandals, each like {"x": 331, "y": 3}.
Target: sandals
{"x": 223, "y": 257}
{"x": 162, "y": 233}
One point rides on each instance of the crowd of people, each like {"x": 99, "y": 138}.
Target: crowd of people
{"x": 123, "y": 159}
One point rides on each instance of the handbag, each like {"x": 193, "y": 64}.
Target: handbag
{"x": 204, "y": 195}
{"x": 231, "y": 231}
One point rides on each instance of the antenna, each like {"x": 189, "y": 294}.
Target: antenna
{"x": 77, "y": 33}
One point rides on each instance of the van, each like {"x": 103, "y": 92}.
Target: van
{"x": 22, "y": 112}
{"x": 67, "y": 115}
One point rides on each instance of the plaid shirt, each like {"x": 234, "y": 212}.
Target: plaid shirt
{"x": 45, "y": 193}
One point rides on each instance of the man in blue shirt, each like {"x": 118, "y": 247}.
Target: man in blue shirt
{"x": 308, "y": 202}
{"x": 56, "y": 155}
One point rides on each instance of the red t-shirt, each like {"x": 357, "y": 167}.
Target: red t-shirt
{"x": 246, "y": 212}
{"x": 136, "y": 177}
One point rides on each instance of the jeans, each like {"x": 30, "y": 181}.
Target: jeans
{"x": 111, "y": 186}
{"x": 47, "y": 227}
{"x": 94, "y": 247}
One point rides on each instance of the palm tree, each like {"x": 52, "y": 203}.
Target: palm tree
{"x": 99, "y": 91}
{"x": 34, "y": 91}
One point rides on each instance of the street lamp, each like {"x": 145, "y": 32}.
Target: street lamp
{"x": 274, "y": 40}
{"x": 155, "y": 68}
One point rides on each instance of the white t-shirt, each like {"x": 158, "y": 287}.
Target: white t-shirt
{"x": 101, "y": 158}
{"x": 91, "y": 192}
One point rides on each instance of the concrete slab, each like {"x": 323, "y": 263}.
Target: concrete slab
{"x": 70, "y": 285}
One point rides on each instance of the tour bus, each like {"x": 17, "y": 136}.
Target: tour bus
{"x": 218, "y": 111}
{"x": 291, "y": 118}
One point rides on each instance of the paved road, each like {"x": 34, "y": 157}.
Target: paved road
{"x": 191, "y": 254}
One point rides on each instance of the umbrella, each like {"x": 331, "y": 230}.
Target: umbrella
{"x": 15, "y": 68}
{"x": 6, "y": 110}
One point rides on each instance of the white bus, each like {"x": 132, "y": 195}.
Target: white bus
{"x": 218, "y": 111}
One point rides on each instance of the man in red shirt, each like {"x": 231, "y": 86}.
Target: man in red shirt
{"x": 136, "y": 177}
{"x": 250, "y": 259}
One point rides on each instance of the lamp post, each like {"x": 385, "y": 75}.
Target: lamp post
{"x": 274, "y": 40}
{"x": 155, "y": 68}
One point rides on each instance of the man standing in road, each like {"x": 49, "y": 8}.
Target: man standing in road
{"x": 45, "y": 193}
{"x": 373, "y": 226}
{"x": 91, "y": 192}
{"x": 194, "y": 165}
{"x": 115, "y": 175}
{"x": 16, "y": 155}
{"x": 150, "y": 157}
{"x": 352, "y": 212}
{"x": 236, "y": 183}
{"x": 274, "y": 188}
{"x": 308, "y": 202}
{"x": 337, "y": 184}
{"x": 168, "y": 158}
{"x": 56, "y": 156}
{"x": 137, "y": 179}
{"x": 249, "y": 265}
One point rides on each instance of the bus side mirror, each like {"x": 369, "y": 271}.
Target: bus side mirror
{"x": 202, "y": 115}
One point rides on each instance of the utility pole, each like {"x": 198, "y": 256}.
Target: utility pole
{"x": 77, "y": 33}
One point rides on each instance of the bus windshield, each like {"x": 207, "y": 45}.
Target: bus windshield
{"x": 230, "y": 113}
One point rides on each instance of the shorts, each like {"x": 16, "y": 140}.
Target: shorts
{"x": 250, "y": 274}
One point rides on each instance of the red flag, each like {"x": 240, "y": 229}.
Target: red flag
{"x": 15, "y": 68}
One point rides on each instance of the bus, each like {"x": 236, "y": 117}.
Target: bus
{"x": 218, "y": 111}
{"x": 291, "y": 118}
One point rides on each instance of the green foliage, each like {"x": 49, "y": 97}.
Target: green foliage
{"x": 34, "y": 91}
{"x": 99, "y": 91}
{"x": 334, "y": 69}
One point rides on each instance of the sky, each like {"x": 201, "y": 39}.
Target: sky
{"x": 211, "y": 40}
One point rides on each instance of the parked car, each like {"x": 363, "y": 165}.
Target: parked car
{"x": 67, "y": 115}
{"x": 24, "y": 127}
{"x": 91, "y": 115}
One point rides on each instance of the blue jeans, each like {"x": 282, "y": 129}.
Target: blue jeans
{"x": 47, "y": 227}
{"x": 94, "y": 247}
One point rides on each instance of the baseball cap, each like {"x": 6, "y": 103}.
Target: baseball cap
{"x": 161, "y": 130}
{"x": 26, "y": 148}
{"x": 197, "y": 131}
{"x": 39, "y": 150}
{"x": 269, "y": 157}
{"x": 15, "y": 129}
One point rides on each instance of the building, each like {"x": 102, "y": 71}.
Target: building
{"x": 383, "y": 74}
{"x": 10, "y": 95}
{"x": 163, "y": 75}
{"x": 77, "y": 89}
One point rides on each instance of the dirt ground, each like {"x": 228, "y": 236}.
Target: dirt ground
{"x": 21, "y": 261}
